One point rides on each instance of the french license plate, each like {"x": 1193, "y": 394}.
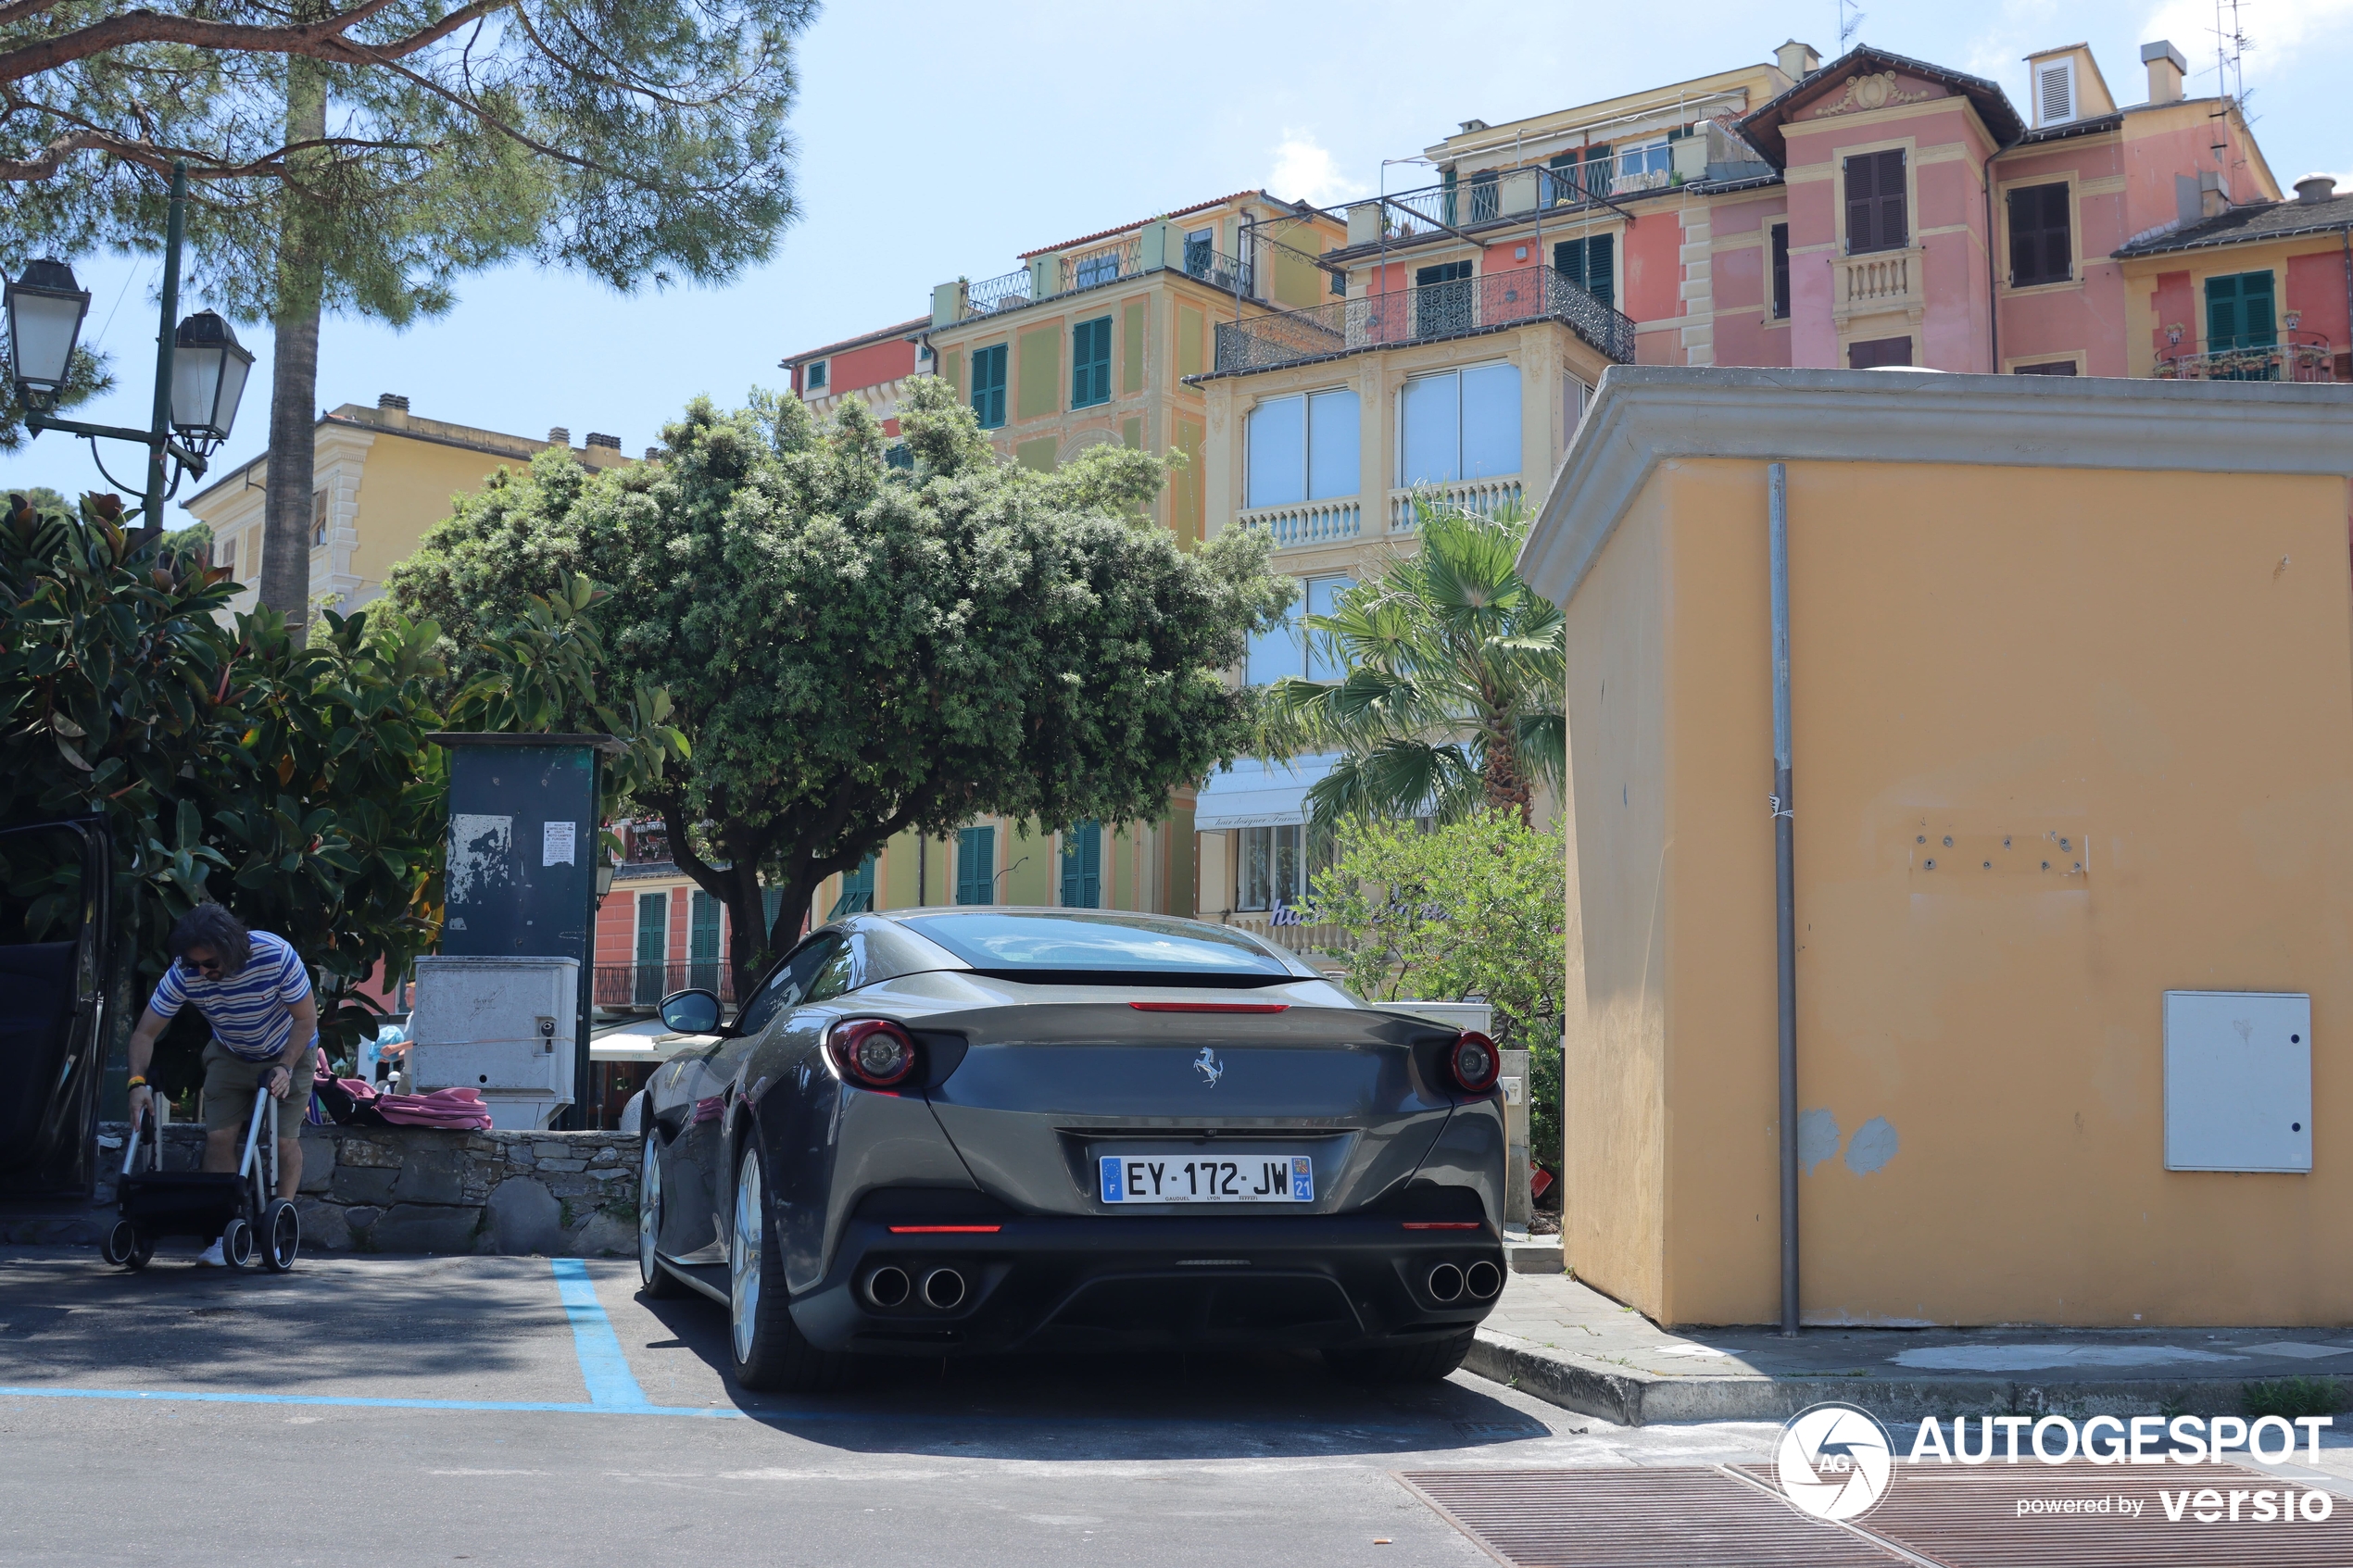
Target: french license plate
{"x": 1189, "y": 1178}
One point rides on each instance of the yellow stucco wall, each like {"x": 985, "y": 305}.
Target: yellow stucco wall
{"x": 2155, "y": 664}
{"x": 406, "y": 488}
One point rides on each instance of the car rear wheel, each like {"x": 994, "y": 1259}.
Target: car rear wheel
{"x": 1429, "y": 1361}
{"x": 653, "y": 1280}
{"x": 768, "y": 1348}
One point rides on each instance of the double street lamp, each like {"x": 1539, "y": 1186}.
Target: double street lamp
{"x": 200, "y": 369}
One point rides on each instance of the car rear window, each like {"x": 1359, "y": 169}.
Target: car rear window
{"x": 1078, "y": 942}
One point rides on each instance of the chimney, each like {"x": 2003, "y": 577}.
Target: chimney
{"x": 652, "y": 453}
{"x": 1471, "y": 125}
{"x": 392, "y": 408}
{"x": 1797, "y": 60}
{"x": 559, "y": 436}
{"x": 2315, "y": 188}
{"x": 2165, "y": 69}
{"x": 611, "y": 443}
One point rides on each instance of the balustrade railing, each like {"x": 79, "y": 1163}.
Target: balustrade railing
{"x": 1285, "y": 930}
{"x": 2280, "y": 361}
{"x": 1485, "y": 496}
{"x": 1104, "y": 264}
{"x": 1422, "y": 314}
{"x": 1002, "y": 293}
{"x": 1308, "y": 523}
{"x": 1881, "y": 278}
{"x": 643, "y": 986}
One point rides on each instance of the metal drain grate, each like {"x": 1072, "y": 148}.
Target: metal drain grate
{"x": 1968, "y": 1518}
{"x": 1635, "y": 1518}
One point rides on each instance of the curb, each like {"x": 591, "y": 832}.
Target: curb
{"x": 1639, "y": 1399}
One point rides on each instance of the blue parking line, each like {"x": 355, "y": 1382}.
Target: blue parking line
{"x": 353, "y": 1402}
{"x": 611, "y": 1386}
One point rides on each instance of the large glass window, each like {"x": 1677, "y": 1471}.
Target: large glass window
{"x": 1780, "y": 272}
{"x": 1646, "y": 165}
{"x": 1274, "y": 868}
{"x": 1459, "y": 424}
{"x": 1286, "y": 650}
{"x": 1091, "y": 363}
{"x": 977, "y": 866}
{"x": 1303, "y": 448}
{"x": 988, "y": 385}
{"x": 1083, "y": 866}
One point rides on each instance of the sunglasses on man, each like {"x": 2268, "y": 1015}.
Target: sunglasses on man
{"x": 209, "y": 968}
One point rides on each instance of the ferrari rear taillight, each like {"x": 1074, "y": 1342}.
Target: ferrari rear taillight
{"x": 1472, "y": 1061}
{"x": 873, "y": 1053}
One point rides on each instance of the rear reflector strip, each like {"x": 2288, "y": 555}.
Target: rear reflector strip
{"x": 1441, "y": 1224}
{"x": 1210, "y": 1006}
{"x": 945, "y": 1230}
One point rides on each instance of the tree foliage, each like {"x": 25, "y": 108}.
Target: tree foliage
{"x": 1477, "y": 906}
{"x": 293, "y": 783}
{"x": 856, "y": 650}
{"x": 1454, "y": 693}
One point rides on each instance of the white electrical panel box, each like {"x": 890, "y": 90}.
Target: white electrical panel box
{"x": 504, "y": 1027}
{"x": 2238, "y": 1081}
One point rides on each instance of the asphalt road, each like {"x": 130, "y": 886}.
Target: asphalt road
{"x": 184, "y": 1416}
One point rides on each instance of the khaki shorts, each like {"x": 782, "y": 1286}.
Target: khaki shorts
{"x": 229, "y": 1084}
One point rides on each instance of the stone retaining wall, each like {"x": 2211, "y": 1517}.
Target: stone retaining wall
{"x": 429, "y": 1189}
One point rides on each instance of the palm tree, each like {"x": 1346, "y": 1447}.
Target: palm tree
{"x": 1455, "y": 677}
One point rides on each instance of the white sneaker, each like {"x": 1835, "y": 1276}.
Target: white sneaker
{"x": 211, "y": 1256}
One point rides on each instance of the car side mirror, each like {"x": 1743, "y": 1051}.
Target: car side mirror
{"x": 691, "y": 1012}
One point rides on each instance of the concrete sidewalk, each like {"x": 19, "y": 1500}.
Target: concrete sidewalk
{"x": 1566, "y": 1343}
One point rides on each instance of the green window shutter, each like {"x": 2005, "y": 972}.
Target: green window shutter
{"x": 2257, "y": 322}
{"x": 988, "y": 386}
{"x": 1083, "y": 866}
{"x": 772, "y": 900}
{"x": 857, "y": 892}
{"x": 654, "y": 948}
{"x": 977, "y": 866}
{"x": 1600, "y": 268}
{"x": 1091, "y": 363}
{"x": 702, "y": 941}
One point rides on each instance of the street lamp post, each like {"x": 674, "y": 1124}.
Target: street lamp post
{"x": 200, "y": 369}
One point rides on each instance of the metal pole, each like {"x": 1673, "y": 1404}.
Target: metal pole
{"x": 1784, "y": 889}
{"x": 159, "y": 427}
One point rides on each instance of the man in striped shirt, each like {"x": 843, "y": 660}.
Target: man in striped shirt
{"x": 252, "y": 991}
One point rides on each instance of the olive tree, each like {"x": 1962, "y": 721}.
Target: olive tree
{"x": 852, "y": 650}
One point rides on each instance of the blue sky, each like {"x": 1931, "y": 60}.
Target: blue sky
{"x": 929, "y": 148}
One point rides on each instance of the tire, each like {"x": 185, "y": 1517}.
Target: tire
{"x": 1430, "y": 1362}
{"x": 654, "y": 1281}
{"x": 126, "y": 1249}
{"x": 765, "y": 1346}
{"x": 281, "y": 1236}
{"x": 238, "y": 1244}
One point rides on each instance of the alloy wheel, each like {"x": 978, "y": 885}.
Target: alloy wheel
{"x": 743, "y": 1257}
{"x": 648, "y": 1213}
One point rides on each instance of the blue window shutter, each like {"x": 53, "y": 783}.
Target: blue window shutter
{"x": 1083, "y": 866}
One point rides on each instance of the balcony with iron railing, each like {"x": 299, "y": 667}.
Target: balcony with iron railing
{"x": 1008, "y": 291}
{"x": 2310, "y": 359}
{"x": 619, "y": 987}
{"x": 1427, "y": 313}
{"x": 1110, "y": 262}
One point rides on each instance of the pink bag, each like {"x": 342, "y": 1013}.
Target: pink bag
{"x": 443, "y": 1108}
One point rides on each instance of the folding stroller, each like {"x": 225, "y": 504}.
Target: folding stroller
{"x": 252, "y": 1225}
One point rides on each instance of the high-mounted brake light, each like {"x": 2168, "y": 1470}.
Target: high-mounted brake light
{"x": 1441, "y": 1224}
{"x": 873, "y": 1053}
{"x": 1210, "y": 1006}
{"x": 1473, "y": 1061}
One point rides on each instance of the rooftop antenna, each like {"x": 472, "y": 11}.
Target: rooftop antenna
{"x": 1850, "y": 20}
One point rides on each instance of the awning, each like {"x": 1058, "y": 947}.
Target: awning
{"x": 1258, "y": 795}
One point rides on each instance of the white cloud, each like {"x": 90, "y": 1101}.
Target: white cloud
{"x": 1305, "y": 171}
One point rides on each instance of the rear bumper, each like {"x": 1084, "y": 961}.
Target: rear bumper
{"x": 1110, "y": 1282}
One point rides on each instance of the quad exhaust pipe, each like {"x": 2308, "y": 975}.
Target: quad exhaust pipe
{"x": 1483, "y": 1280}
{"x": 887, "y": 1286}
{"x": 1445, "y": 1282}
{"x": 944, "y": 1288}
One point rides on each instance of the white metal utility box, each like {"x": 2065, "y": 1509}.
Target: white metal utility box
{"x": 501, "y": 1026}
{"x": 2238, "y": 1081}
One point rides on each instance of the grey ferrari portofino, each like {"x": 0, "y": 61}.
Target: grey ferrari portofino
{"x": 942, "y": 1131}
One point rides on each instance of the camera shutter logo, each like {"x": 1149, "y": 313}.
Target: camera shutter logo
{"x": 1834, "y": 1461}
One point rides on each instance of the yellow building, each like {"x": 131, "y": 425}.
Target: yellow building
{"x": 2258, "y": 292}
{"x": 381, "y": 477}
{"x": 2071, "y": 679}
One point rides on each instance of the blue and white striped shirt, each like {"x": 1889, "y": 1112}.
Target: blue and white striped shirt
{"x": 247, "y": 1009}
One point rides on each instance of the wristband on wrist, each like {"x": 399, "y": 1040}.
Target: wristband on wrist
{"x": 136, "y": 1083}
